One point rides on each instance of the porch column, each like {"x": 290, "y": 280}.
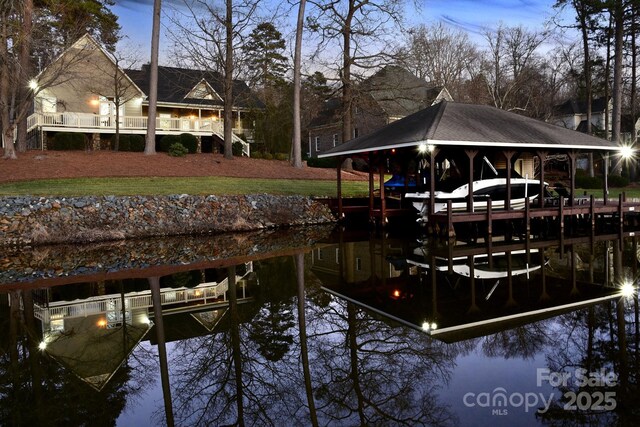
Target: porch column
{"x": 572, "y": 170}
{"x": 542, "y": 156}
{"x": 471, "y": 154}
{"x": 508, "y": 155}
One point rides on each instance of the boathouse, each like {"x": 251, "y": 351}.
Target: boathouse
{"x": 469, "y": 136}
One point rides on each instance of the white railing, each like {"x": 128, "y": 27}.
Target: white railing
{"x": 204, "y": 293}
{"x": 74, "y": 121}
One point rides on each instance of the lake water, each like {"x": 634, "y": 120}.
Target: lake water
{"x": 321, "y": 327}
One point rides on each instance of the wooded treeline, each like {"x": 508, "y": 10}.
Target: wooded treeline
{"x": 588, "y": 51}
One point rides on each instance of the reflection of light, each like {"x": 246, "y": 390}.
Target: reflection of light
{"x": 198, "y": 292}
{"x": 102, "y": 323}
{"x": 42, "y": 345}
{"x": 627, "y": 290}
{"x": 626, "y": 151}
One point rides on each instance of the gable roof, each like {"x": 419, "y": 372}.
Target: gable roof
{"x": 573, "y": 106}
{"x": 393, "y": 89}
{"x": 455, "y": 124}
{"x": 175, "y": 85}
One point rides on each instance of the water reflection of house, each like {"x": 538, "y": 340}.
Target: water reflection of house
{"x": 94, "y": 335}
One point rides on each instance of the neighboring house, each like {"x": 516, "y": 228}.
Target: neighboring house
{"x": 80, "y": 89}
{"x": 572, "y": 114}
{"x": 390, "y": 94}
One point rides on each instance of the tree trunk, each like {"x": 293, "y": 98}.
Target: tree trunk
{"x": 24, "y": 94}
{"x": 296, "y": 148}
{"x": 618, "y": 17}
{"x": 5, "y": 115}
{"x": 150, "y": 143}
{"x": 228, "y": 83}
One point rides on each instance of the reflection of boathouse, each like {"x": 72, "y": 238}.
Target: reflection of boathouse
{"x": 460, "y": 292}
{"x": 92, "y": 336}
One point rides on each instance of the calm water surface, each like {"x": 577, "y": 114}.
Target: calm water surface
{"x": 321, "y": 328}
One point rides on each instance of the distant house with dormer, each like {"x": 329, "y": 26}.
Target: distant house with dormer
{"x": 79, "y": 94}
{"x": 390, "y": 94}
{"x": 572, "y": 114}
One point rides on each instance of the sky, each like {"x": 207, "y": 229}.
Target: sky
{"x": 135, "y": 17}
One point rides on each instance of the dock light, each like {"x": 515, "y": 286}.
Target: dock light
{"x": 627, "y": 290}
{"x": 423, "y": 148}
{"x": 42, "y": 346}
{"x": 626, "y": 151}
{"x": 33, "y": 84}
{"x": 426, "y": 326}
{"x": 102, "y": 323}
{"x": 434, "y": 326}
{"x": 430, "y": 148}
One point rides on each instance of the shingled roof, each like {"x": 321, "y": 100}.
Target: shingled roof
{"x": 175, "y": 84}
{"x": 456, "y": 124}
{"x": 573, "y": 106}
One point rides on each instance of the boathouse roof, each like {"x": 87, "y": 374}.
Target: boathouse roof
{"x": 456, "y": 124}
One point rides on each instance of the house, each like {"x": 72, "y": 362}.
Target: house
{"x": 572, "y": 114}
{"x": 86, "y": 91}
{"x": 390, "y": 94}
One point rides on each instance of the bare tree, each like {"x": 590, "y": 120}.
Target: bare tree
{"x": 510, "y": 57}
{"x": 364, "y": 33}
{"x": 150, "y": 143}
{"x": 440, "y": 55}
{"x": 209, "y": 37}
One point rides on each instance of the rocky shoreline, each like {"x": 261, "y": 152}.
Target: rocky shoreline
{"x": 32, "y": 221}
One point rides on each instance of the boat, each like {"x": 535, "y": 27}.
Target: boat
{"x": 493, "y": 187}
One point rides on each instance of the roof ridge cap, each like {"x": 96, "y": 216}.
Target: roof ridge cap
{"x": 442, "y": 105}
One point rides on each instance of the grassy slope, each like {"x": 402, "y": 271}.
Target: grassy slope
{"x": 194, "y": 185}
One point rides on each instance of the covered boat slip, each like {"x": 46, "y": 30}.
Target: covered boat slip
{"x": 465, "y": 141}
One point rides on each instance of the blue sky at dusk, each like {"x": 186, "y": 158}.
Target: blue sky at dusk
{"x": 470, "y": 15}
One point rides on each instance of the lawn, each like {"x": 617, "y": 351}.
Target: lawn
{"x": 173, "y": 185}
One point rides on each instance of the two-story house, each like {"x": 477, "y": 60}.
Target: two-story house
{"x": 572, "y": 114}
{"x": 86, "y": 91}
{"x": 390, "y": 94}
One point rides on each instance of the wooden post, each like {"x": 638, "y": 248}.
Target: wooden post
{"x": 605, "y": 171}
{"x": 527, "y": 219}
{"x": 383, "y": 204}
{"x": 432, "y": 182}
{"x": 450, "y": 229}
{"x": 489, "y": 218}
{"x": 561, "y": 214}
{"x": 572, "y": 171}
{"x": 592, "y": 212}
{"x": 471, "y": 154}
{"x": 371, "y": 198}
{"x": 339, "y": 178}
{"x": 542, "y": 156}
{"x": 508, "y": 155}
